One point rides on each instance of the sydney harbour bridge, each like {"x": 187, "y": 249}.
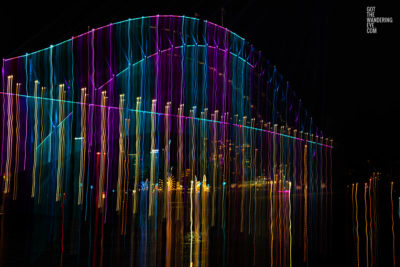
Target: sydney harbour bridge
{"x": 161, "y": 130}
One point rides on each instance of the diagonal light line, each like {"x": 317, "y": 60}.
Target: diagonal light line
{"x": 54, "y": 130}
{"x": 172, "y": 115}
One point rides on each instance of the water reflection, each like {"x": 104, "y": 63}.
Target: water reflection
{"x": 260, "y": 223}
{"x": 374, "y": 222}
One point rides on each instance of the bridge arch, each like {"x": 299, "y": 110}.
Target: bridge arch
{"x": 120, "y": 100}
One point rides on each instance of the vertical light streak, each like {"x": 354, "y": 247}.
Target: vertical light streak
{"x": 204, "y": 222}
{"x": 167, "y": 153}
{"x": 41, "y": 140}
{"x": 223, "y": 225}
{"x": 226, "y": 154}
{"x": 393, "y": 234}
{"x": 366, "y": 223}
{"x": 60, "y": 143}
{"x": 153, "y": 155}
{"x": 193, "y": 144}
{"x": 252, "y": 175}
{"x": 214, "y": 168}
{"x": 123, "y": 184}
{"x": 243, "y": 181}
{"x": 126, "y": 177}
{"x": 191, "y": 223}
{"x": 271, "y": 225}
{"x": 168, "y": 245}
{"x": 3, "y": 119}
{"x": 103, "y": 149}
{"x": 138, "y": 153}
{"x": 274, "y": 151}
{"x": 82, "y": 166}
{"x": 35, "y": 139}
{"x": 374, "y": 221}
{"x": 51, "y": 95}
{"x": 168, "y": 251}
{"x": 62, "y": 230}
{"x": 26, "y": 120}
{"x": 352, "y": 211}
{"x": 17, "y": 145}
{"x": 370, "y": 221}
{"x": 305, "y": 205}
{"x": 197, "y": 222}
{"x": 290, "y": 225}
{"x": 358, "y": 237}
{"x": 98, "y": 154}
{"x": 103, "y": 199}
{"x": 204, "y": 150}
{"x": 295, "y": 161}
{"x": 121, "y": 154}
{"x": 10, "y": 134}
{"x": 180, "y": 171}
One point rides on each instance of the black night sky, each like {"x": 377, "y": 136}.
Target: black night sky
{"x": 345, "y": 77}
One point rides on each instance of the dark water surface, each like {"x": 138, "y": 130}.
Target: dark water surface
{"x": 255, "y": 225}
